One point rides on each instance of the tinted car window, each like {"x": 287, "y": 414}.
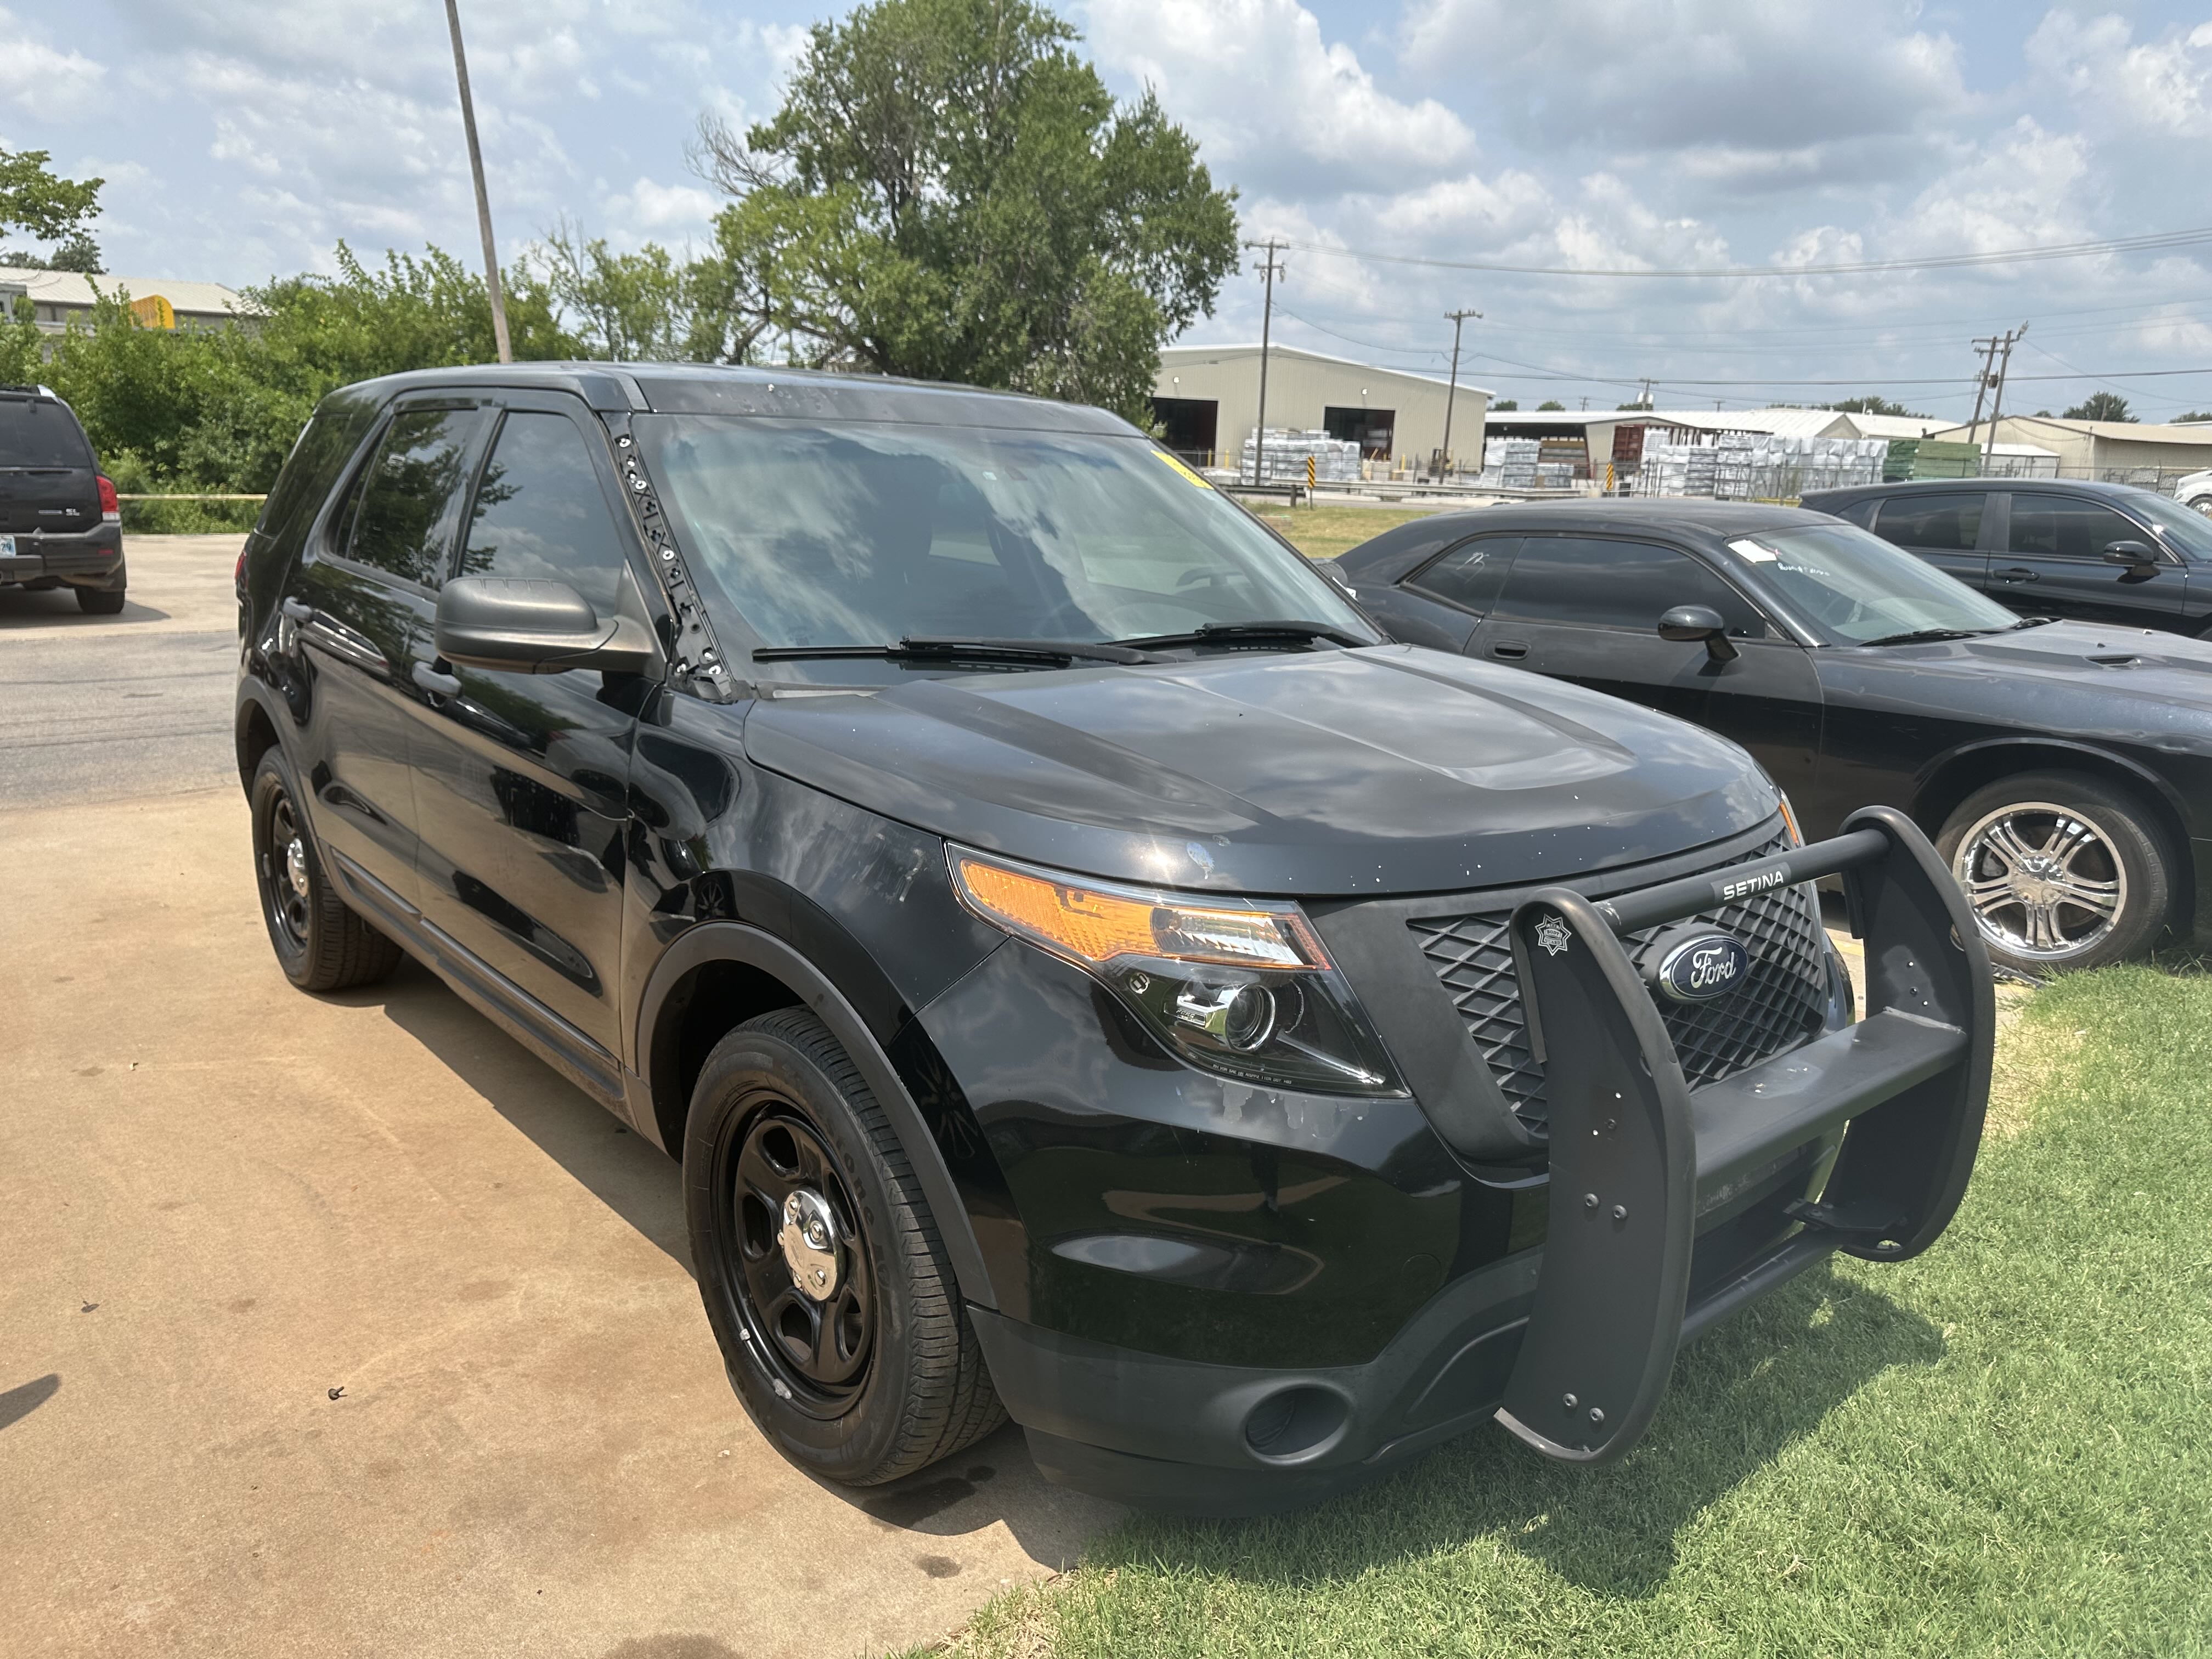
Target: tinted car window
{"x": 38, "y": 432}
{"x": 1468, "y": 576}
{"x": 398, "y": 522}
{"x": 2057, "y": 528}
{"x": 1612, "y": 584}
{"x": 2184, "y": 527}
{"x": 1943, "y": 524}
{"x": 540, "y": 513}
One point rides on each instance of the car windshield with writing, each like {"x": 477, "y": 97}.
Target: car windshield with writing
{"x": 863, "y": 535}
{"x": 1853, "y": 588}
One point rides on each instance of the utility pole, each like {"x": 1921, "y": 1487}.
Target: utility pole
{"x": 1269, "y": 269}
{"x": 483, "y": 199}
{"x": 1457, "y": 319}
{"x": 1987, "y": 345}
{"x": 1997, "y": 397}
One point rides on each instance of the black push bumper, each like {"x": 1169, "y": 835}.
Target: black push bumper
{"x": 1577, "y": 1340}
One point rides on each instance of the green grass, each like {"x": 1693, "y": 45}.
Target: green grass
{"x": 1321, "y": 532}
{"x": 1998, "y": 1449}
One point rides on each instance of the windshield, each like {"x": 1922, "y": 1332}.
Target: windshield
{"x": 2186, "y": 530}
{"x": 1855, "y": 587}
{"x": 864, "y": 534}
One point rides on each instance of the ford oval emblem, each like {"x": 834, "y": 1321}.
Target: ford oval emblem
{"x": 1698, "y": 970}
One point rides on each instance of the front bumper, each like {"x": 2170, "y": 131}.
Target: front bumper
{"x": 94, "y": 559}
{"x": 1665, "y": 1210}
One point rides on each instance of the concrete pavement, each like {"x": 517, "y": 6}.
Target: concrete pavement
{"x": 340, "y": 1324}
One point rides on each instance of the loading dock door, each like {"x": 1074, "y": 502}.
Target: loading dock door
{"x": 1372, "y": 430}
{"x": 1189, "y": 426}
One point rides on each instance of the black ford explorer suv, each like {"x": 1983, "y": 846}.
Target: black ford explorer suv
{"x": 1084, "y": 972}
{"x": 60, "y": 523}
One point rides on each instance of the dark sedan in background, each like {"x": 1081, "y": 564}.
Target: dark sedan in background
{"x": 2049, "y": 547}
{"x": 2065, "y": 768}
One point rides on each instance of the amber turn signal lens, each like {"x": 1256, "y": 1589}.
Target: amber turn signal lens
{"x": 1095, "y": 923}
{"x": 1789, "y": 819}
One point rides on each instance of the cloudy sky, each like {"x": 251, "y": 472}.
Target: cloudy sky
{"x": 242, "y": 138}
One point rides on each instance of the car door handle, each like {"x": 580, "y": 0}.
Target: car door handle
{"x": 1512, "y": 650}
{"x": 298, "y": 609}
{"x": 437, "y": 684}
{"x": 2015, "y": 573}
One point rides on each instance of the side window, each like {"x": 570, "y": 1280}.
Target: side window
{"x": 540, "y": 513}
{"x": 1615, "y": 584}
{"x": 2057, "y": 528}
{"x": 1470, "y": 576}
{"x": 1862, "y": 512}
{"x": 1942, "y": 524}
{"x": 400, "y": 522}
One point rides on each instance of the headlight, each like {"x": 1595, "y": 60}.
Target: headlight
{"x": 1245, "y": 989}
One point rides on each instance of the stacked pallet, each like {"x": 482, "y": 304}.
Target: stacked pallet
{"x": 1336, "y": 460}
{"x": 1758, "y": 466}
{"x": 1930, "y": 457}
{"x": 1510, "y": 463}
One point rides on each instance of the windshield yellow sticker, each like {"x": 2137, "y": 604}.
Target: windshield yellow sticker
{"x": 1176, "y": 463}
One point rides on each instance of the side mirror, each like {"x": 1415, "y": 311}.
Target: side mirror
{"x": 1686, "y": 624}
{"x": 526, "y": 627}
{"x": 2140, "y": 557}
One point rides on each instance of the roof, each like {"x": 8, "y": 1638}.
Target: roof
{"x": 2197, "y": 436}
{"x": 1776, "y": 422}
{"x": 797, "y": 393}
{"x": 1897, "y": 426}
{"x": 1203, "y": 352}
{"x": 1672, "y": 513}
{"x": 1951, "y": 486}
{"x": 71, "y": 288}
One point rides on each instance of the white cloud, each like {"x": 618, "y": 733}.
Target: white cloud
{"x": 658, "y": 208}
{"x": 2161, "y": 87}
{"x": 36, "y": 79}
{"x": 1273, "y": 106}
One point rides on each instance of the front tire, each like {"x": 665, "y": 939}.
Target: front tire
{"x": 2062, "y": 870}
{"x": 321, "y": 945}
{"x": 823, "y": 1273}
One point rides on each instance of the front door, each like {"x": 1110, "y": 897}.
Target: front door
{"x": 521, "y": 780}
{"x": 1587, "y": 609}
{"x": 1943, "y": 527}
{"x": 354, "y": 611}
{"x": 2053, "y": 564}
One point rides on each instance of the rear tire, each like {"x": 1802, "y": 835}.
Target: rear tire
{"x": 100, "y": 602}
{"x": 875, "y": 1371}
{"x": 2064, "y": 871}
{"x": 320, "y": 944}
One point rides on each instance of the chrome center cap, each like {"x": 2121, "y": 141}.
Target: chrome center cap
{"x": 809, "y": 1238}
{"x": 296, "y": 864}
{"x": 2039, "y": 881}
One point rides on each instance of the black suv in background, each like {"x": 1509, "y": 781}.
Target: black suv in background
{"x": 2113, "y": 554}
{"x": 60, "y": 523}
{"x": 1087, "y": 972}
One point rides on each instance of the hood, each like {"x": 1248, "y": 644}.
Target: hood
{"x": 1390, "y": 770}
{"x": 2154, "y": 681}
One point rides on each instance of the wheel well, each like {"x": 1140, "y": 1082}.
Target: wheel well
{"x": 257, "y": 735}
{"x": 1940, "y": 797}
{"x": 701, "y": 1008}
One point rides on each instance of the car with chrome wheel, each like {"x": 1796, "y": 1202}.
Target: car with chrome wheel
{"x": 2064, "y": 767}
{"x": 1085, "y": 971}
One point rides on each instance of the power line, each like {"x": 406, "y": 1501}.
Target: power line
{"x": 2155, "y": 242}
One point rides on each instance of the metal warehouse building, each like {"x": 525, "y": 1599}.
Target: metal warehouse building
{"x": 1207, "y": 402}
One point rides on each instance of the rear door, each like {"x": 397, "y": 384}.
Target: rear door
{"x": 522, "y": 780}
{"x": 2053, "y": 564}
{"x": 1587, "y": 609}
{"x": 352, "y": 610}
{"x": 1943, "y": 527}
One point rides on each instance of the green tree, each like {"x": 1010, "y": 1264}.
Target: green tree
{"x": 34, "y": 199}
{"x": 1550, "y": 404}
{"x": 1872, "y": 405}
{"x": 2100, "y": 406}
{"x": 1504, "y": 404}
{"x": 2193, "y": 414}
{"x": 949, "y": 191}
{"x": 641, "y": 307}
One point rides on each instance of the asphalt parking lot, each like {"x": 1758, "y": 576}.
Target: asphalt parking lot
{"x": 340, "y": 1324}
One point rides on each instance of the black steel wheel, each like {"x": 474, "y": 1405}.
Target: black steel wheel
{"x": 821, "y": 1268}
{"x": 320, "y": 944}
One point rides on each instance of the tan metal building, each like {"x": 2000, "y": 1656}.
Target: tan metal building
{"x": 2115, "y": 452}
{"x": 58, "y": 297}
{"x": 1207, "y": 402}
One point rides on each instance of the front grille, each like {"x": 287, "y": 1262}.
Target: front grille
{"x": 1783, "y": 1000}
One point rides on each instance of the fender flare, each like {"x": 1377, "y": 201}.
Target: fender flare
{"x": 752, "y": 947}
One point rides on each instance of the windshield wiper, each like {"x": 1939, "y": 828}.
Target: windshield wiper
{"x": 1235, "y": 633}
{"x": 2030, "y": 621}
{"x": 1929, "y": 636}
{"x": 929, "y": 648}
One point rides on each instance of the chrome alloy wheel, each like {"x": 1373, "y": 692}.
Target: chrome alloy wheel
{"x": 2046, "y": 882}
{"x": 806, "y": 1297}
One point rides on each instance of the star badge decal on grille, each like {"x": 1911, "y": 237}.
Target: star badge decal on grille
{"x": 1551, "y": 934}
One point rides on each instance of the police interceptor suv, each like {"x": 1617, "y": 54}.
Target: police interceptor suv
{"x": 1086, "y": 972}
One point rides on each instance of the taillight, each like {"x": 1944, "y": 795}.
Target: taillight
{"x": 238, "y": 573}
{"x": 110, "y": 510}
